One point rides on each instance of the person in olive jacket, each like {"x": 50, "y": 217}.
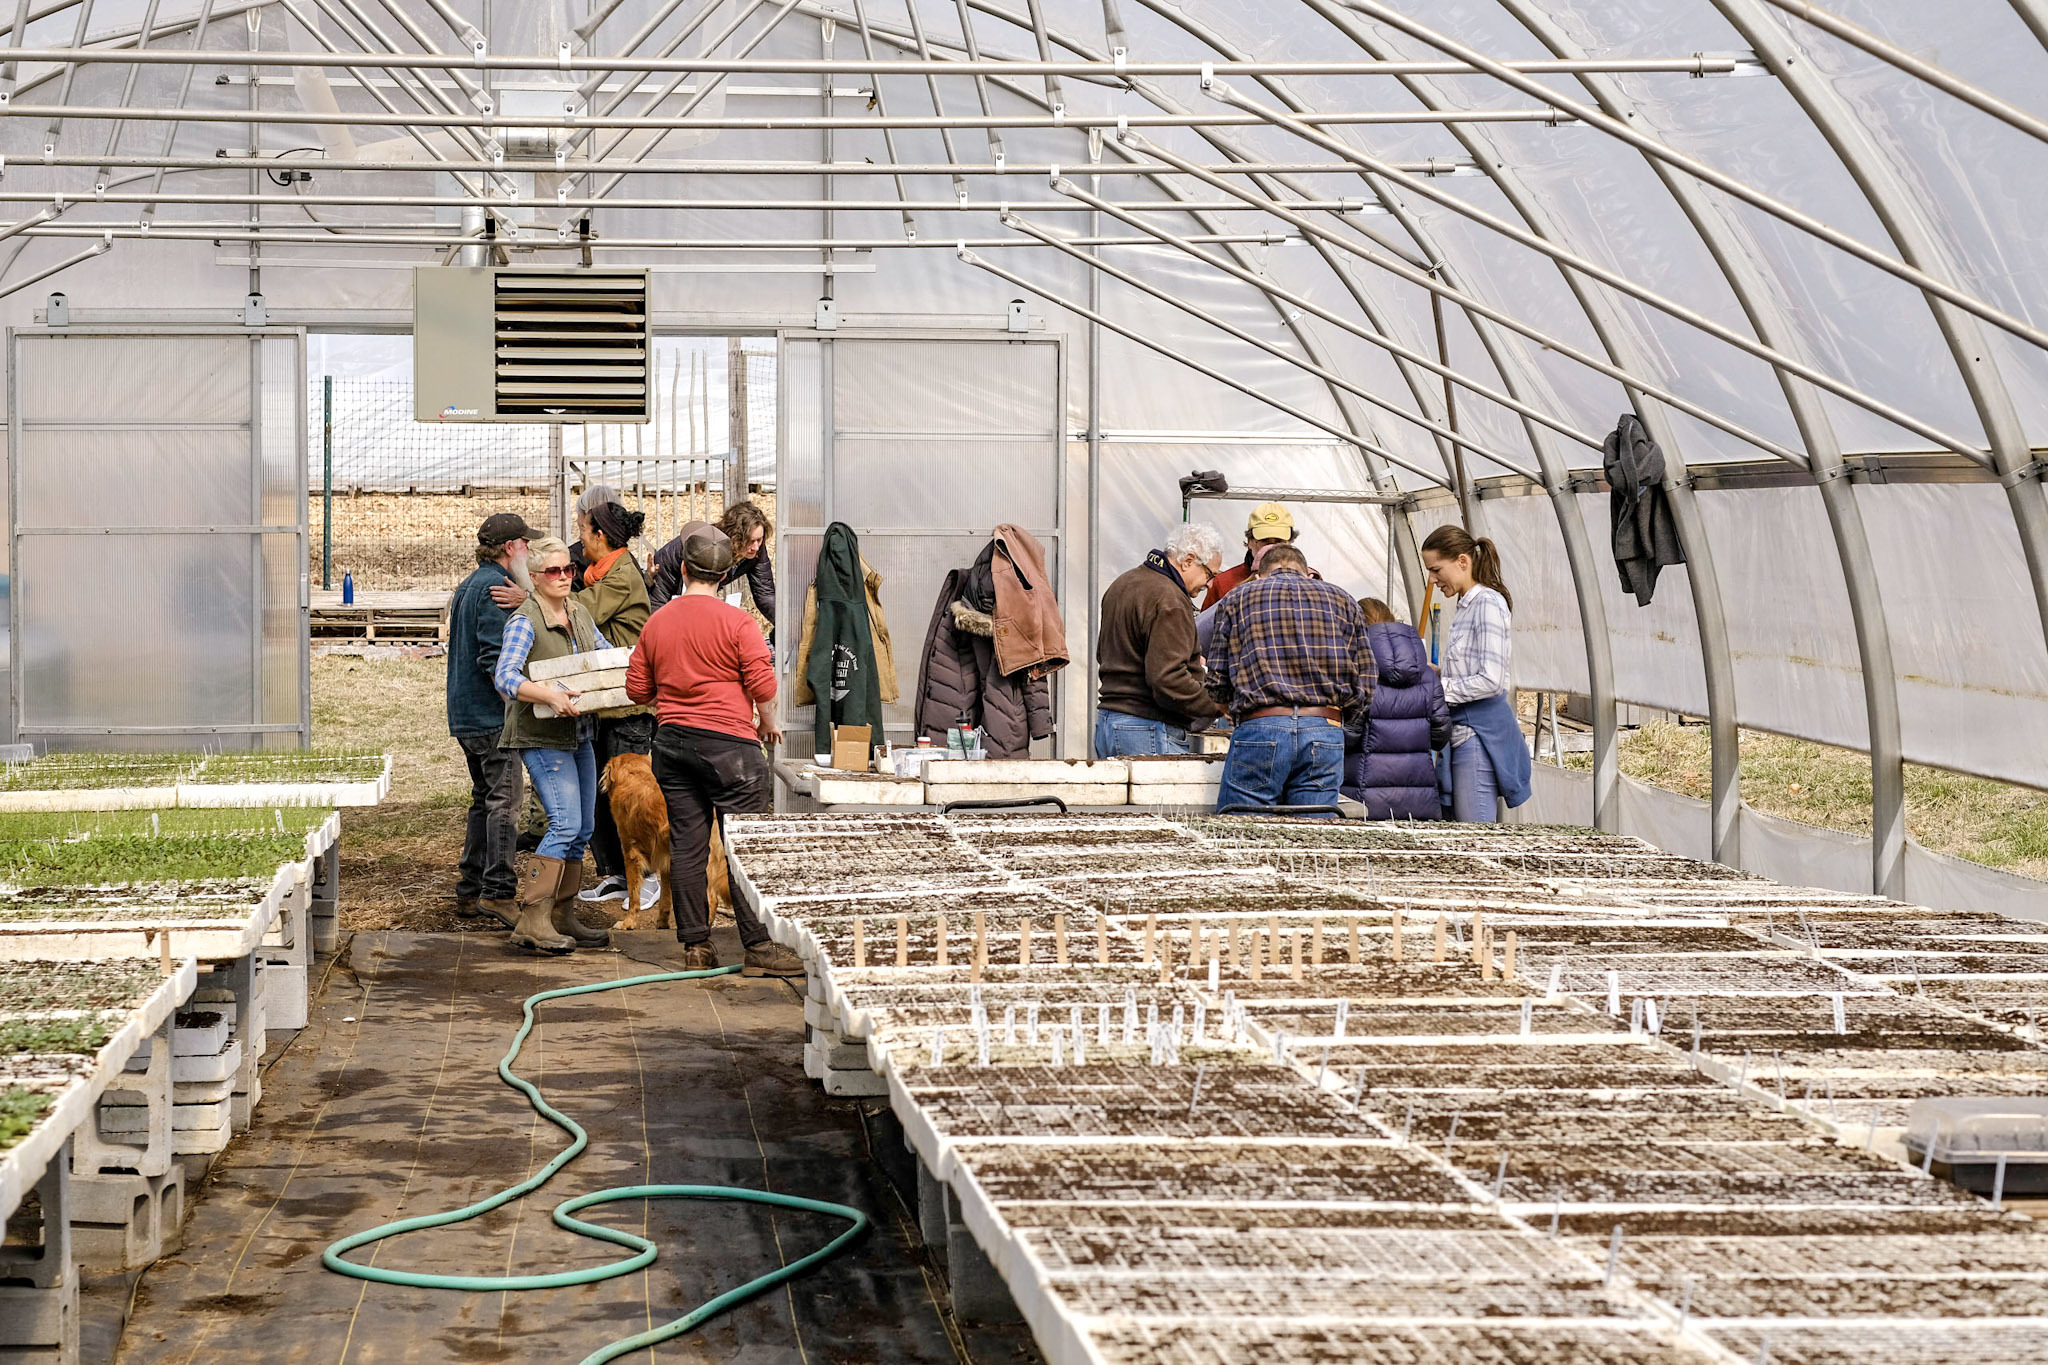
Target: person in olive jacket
{"x": 614, "y": 591}
{"x": 1150, "y": 678}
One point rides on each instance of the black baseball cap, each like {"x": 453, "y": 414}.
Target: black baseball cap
{"x": 708, "y": 551}
{"x": 501, "y": 527}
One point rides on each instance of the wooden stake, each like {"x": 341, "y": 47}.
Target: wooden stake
{"x": 1151, "y": 938}
{"x": 1316, "y": 949}
{"x": 1166, "y": 960}
{"x": 903, "y": 940}
{"x": 1356, "y": 959}
{"x": 1443, "y": 924}
{"x": 980, "y": 943}
{"x": 1297, "y": 955}
{"x": 1478, "y": 938}
{"x": 1508, "y": 964}
{"x": 163, "y": 947}
{"x": 1059, "y": 938}
{"x": 1257, "y": 971}
{"x": 1231, "y": 928}
{"x": 860, "y": 941}
{"x": 1024, "y": 942}
{"x": 1394, "y": 944}
{"x": 1102, "y": 940}
{"x": 940, "y": 931}
{"x": 1486, "y": 960}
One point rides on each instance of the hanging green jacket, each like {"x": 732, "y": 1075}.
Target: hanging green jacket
{"x": 841, "y": 668}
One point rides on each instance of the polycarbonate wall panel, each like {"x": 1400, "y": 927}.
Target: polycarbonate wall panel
{"x": 914, "y": 479}
{"x": 145, "y": 476}
{"x": 1966, "y": 632}
{"x": 981, "y": 388}
{"x": 1657, "y": 660}
{"x": 1796, "y": 666}
{"x": 1549, "y": 642}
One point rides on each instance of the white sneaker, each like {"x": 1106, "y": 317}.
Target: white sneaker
{"x": 650, "y": 891}
{"x": 610, "y": 889}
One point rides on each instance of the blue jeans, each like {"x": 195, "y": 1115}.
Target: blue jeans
{"x": 1474, "y": 796}
{"x": 1118, "y": 735}
{"x": 566, "y": 782}
{"x": 1284, "y": 761}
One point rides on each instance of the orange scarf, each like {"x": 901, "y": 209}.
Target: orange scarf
{"x": 596, "y": 572}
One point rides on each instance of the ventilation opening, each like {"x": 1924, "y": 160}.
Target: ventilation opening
{"x": 572, "y": 345}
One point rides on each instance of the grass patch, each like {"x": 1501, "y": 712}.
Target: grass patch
{"x": 1993, "y": 823}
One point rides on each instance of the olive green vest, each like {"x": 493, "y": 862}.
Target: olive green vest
{"x": 524, "y": 730}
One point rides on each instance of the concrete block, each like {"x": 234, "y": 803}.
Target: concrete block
{"x": 934, "y": 1207}
{"x": 979, "y": 1293}
{"x": 189, "y": 1141}
{"x": 116, "y": 1221}
{"x": 131, "y": 1126}
{"x": 224, "y": 1065}
{"x": 201, "y": 1092}
{"x": 199, "y": 1033}
{"x": 854, "y": 1084}
{"x": 196, "y": 1117}
{"x": 284, "y": 997}
{"x": 40, "y": 1324}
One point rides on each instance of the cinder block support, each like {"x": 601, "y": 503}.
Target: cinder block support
{"x": 979, "y": 1293}
{"x": 117, "y": 1220}
{"x": 324, "y": 917}
{"x": 39, "y": 1318}
{"x": 242, "y": 979}
{"x": 934, "y": 1207}
{"x": 89, "y": 1154}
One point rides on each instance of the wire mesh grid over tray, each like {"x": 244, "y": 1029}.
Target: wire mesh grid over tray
{"x": 1146, "y": 1192}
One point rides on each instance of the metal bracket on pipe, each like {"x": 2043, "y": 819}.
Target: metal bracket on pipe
{"x": 2032, "y": 471}
{"x": 1208, "y": 76}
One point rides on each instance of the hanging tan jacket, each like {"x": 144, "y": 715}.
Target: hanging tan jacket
{"x": 878, "y": 627}
{"x": 1030, "y": 637}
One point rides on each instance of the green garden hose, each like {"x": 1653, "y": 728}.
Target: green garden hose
{"x": 564, "y": 1212}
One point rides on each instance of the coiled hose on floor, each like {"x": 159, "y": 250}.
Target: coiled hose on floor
{"x": 644, "y": 1251}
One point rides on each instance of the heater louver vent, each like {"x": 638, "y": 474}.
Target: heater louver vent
{"x": 571, "y": 345}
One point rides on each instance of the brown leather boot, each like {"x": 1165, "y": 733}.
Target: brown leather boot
{"x": 505, "y": 912}
{"x": 534, "y": 932}
{"x": 699, "y": 957}
{"x": 768, "y": 958}
{"x": 563, "y": 917}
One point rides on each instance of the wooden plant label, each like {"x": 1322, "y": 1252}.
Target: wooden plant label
{"x": 1059, "y": 938}
{"x": 1479, "y": 952}
{"x": 1508, "y": 960}
{"x": 1102, "y": 940}
{"x": 1296, "y": 973}
{"x": 1257, "y": 970}
{"x": 860, "y": 942}
{"x": 1394, "y": 944}
{"x": 1356, "y": 958}
{"x": 1151, "y": 937}
{"x": 1315, "y": 956}
{"x": 903, "y": 940}
{"x": 940, "y": 932}
{"x": 1166, "y": 960}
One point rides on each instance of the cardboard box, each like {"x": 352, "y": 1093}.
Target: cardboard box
{"x": 851, "y": 750}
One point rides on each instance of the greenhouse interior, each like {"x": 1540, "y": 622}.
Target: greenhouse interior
{"x": 1566, "y": 882}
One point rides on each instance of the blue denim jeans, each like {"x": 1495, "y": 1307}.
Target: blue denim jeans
{"x": 566, "y": 782}
{"x": 1284, "y": 761}
{"x": 1118, "y": 735}
{"x": 1474, "y": 794}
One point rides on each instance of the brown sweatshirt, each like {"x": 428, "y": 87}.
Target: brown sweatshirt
{"x": 1145, "y": 651}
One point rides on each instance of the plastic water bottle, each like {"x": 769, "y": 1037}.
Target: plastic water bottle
{"x": 348, "y": 589}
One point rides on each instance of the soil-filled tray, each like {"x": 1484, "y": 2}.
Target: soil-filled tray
{"x": 1147, "y": 1341}
{"x": 1884, "y": 1231}
{"x": 1868, "y": 1248}
{"x": 1869, "y": 1008}
{"x": 1127, "y": 1101}
{"x": 1667, "y": 975}
{"x": 1155, "y": 1171}
{"x": 209, "y": 921}
{"x": 1368, "y": 1020}
{"x": 1540, "y": 1190}
{"x": 1575, "y": 1293}
{"x": 1895, "y": 967}
{"x": 1266, "y": 833}
{"x": 1289, "y": 1240}
{"x": 1212, "y": 892}
{"x": 1964, "y": 1341}
{"x": 1647, "y": 1123}
{"x": 1853, "y": 1296}
{"x": 41, "y": 986}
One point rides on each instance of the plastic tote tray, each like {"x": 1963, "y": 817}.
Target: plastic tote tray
{"x": 1968, "y": 1136}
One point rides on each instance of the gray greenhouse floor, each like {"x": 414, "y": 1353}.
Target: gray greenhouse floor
{"x": 388, "y": 1105}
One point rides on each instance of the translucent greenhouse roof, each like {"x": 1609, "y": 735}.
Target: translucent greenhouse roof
{"x": 1427, "y": 251}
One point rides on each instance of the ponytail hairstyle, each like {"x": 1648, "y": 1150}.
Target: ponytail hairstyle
{"x": 1451, "y": 541}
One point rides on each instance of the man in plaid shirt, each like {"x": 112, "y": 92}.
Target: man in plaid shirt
{"x": 1290, "y": 662}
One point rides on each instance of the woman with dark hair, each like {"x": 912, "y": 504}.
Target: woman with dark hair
{"x": 1488, "y": 758}
{"x": 1390, "y": 768}
{"x": 615, "y": 594}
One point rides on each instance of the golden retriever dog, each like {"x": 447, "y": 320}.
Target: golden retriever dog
{"x": 642, "y": 817}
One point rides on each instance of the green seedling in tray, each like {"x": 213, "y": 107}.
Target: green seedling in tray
{"x": 206, "y": 904}
{"x": 72, "y": 772}
{"x": 225, "y": 820}
{"x": 117, "y": 858}
{"x": 121, "y": 984}
{"x": 20, "y": 1109}
{"x": 291, "y": 765}
{"x": 45, "y": 1037}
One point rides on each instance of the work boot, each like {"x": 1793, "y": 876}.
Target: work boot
{"x": 564, "y": 917}
{"x": 465, "y": 907}
{"x": 505, "y": 912}
{"x": 533, "y": 931}
{"x": 768, "y": 958}
{"x": 700, "y": 957}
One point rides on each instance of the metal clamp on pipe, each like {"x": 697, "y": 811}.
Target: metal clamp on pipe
{"x": 2030, "y": 472}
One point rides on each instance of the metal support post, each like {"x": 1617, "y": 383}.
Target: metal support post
{"x": 326, "y": 481}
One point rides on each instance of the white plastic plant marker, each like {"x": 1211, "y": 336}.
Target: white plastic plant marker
{"x": 1031, "y": 1023}
{"x": 1613, "y": 1253}
{"x": 1009, "y": 1026}
{"x": 981, "y": 1045}
{"x": 1195, "y": 1093}
{"x": 1556, "y": 976}
{"x": 938, "y": 1047}
{"x": 1059, "y": 1051}
{"x": 1998, "y": 1184}
{"x": 1102, "y": 1025}
{"x": 1201, "y": 1018}
{"x": 1080, "y": 1045}
{"x": 1653, "y": 1020}
{"x": 1343, "y": 1014}
{"x": 1614, "y": 993}
{"x": 1841, "y": 1013}
{"x": 1215, "y": 973}
{"x": 1527, "y": 1012}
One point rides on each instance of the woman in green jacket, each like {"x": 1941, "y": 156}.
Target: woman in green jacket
{"x": 615, "y": 593}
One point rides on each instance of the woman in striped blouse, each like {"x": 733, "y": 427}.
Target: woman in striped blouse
{"x": 1488, "y": 760}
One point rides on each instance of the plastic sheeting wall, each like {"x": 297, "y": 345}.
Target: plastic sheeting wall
{"x": 170, "y": 462}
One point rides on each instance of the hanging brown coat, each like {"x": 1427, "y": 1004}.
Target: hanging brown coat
{"x": 1029, "y": 635}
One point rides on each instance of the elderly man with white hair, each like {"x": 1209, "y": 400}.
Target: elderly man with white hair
{"x": 1152, "y": 683}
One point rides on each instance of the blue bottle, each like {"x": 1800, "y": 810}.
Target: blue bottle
{"x": 348, "y": 589}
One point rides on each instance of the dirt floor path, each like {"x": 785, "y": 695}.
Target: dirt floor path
{"x": 388, "y": 1105}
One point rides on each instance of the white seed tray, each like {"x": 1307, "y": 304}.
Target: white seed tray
{"x": 23, "y": 1164}
{"x": 1098, "y": 782}
{"x": 209, "y": 939}
{"x": 203, "y": 795}
{"x": 831, "y": 787}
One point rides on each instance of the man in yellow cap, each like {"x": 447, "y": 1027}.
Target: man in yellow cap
{"x": 1270, "y": 524}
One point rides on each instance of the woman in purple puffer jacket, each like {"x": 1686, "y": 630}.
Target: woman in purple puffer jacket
{"x": 1389, "y": 766}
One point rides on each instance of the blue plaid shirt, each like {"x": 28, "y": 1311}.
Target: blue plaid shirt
{"x": 518, "y": 643}
{"x": 1290, "y": 640}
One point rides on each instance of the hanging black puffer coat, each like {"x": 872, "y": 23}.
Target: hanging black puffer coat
{"x": 957, "y": 676}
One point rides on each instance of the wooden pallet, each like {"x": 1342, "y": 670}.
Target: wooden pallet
{"x": 388, "y": 617}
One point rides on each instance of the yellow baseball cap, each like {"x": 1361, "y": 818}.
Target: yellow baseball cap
{"x": 1269, "y": 521}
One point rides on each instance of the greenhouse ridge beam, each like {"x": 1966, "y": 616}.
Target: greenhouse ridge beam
{"x": 513, "y": 165}
{"x": 462, "y": 63}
